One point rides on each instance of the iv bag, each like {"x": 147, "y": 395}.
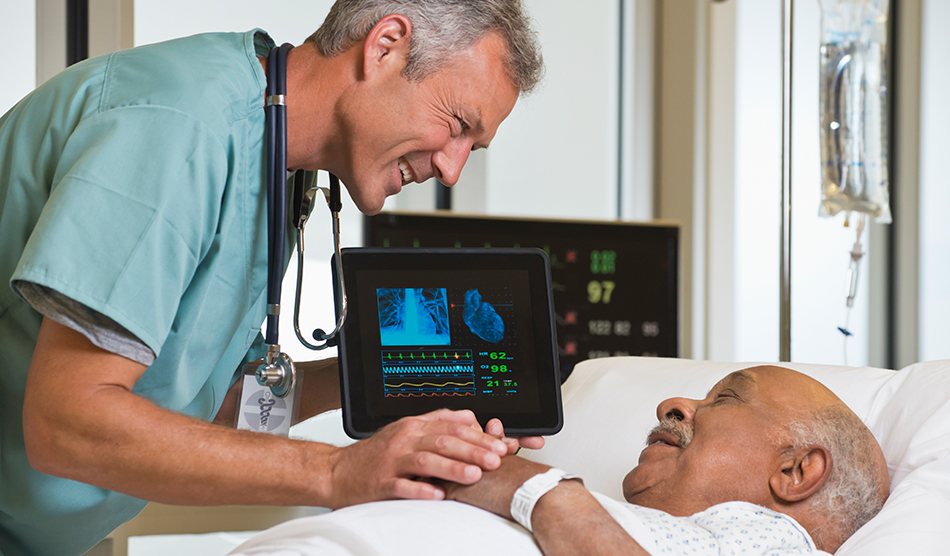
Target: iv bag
{"x": 853, "y": 105}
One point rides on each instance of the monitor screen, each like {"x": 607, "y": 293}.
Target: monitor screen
{"x": 615, "y": 284}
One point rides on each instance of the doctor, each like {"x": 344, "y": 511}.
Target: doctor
{"x": 133, "y": 261}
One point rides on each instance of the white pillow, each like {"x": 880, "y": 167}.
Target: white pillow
{"x": 610, "y": 404}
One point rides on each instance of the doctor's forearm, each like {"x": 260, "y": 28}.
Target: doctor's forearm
{"x": 170, "y": 458}
{"x": 82, "y": 422}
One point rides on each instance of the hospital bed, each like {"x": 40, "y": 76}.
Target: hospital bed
{"x": 609, "y": 406}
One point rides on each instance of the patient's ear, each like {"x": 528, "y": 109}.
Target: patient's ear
{"x": 801, "y": 473}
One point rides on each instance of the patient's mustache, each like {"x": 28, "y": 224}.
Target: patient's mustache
{"x": 682, "y": 431}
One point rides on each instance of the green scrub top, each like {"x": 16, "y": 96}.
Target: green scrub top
{"x": 133, "y": 184}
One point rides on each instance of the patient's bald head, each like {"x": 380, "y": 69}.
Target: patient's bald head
{"x": 770, "y": 436}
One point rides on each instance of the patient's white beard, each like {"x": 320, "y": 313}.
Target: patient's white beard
{"x": 682, "y": 431}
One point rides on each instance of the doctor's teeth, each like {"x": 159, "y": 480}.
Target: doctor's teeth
{"x": 406, "y": 174}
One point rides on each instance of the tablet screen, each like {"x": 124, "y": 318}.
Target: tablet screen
{"x": 428, "y": 329}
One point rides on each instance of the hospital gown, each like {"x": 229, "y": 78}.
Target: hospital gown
{"x": 729, "y": 529}
{"x": 133, "y": 184}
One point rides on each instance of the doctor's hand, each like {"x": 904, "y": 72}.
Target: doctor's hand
{"x": 397, "y": 461}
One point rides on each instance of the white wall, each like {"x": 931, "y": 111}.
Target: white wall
{"x": 285, "y": 20}
{"x": 18, "y": 65}
{"x": 758, "y": 180}
{"x": 556, "y": 155}
{"x": 934, "y": 306}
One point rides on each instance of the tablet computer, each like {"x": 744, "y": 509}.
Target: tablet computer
{"x": 449, "y": 328}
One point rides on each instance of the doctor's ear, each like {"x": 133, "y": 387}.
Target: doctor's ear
{"x": 389, "y": 36}
{"x": 801, "y": 473}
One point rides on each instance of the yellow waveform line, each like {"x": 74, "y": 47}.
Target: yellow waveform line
{"x": 429, "y": 384}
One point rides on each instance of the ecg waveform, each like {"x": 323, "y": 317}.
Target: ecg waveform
{"x": 424, "y": 356}
{"x": 428, "y": 372}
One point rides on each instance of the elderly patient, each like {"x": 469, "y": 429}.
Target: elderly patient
{"x": 768, "y": 455}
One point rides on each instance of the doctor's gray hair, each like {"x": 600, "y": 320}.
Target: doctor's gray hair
{"x": 851, "y": 495}
{"x": 440, "y": 28}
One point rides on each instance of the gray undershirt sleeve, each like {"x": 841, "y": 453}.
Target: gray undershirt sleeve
{"x": 102, "y": 331}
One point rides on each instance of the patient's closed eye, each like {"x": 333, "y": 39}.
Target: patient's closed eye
{"x": 725, "y": 396}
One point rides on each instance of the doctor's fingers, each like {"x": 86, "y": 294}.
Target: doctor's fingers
{"x": 448, "y": 458}
{"x": 461, "y": 424}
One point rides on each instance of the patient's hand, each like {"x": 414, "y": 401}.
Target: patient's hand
{"x": 495, "y": 428}
{"x": 496, "y": 488}
{"x": 443, "y": 444}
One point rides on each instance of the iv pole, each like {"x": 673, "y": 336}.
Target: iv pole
{"x": 785, "y": 226}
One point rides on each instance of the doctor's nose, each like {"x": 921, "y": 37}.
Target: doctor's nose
{"x": 448, "y": 162}
{"x": 678, "y": 409}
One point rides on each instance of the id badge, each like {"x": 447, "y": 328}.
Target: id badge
{"x": 260, "y": 410}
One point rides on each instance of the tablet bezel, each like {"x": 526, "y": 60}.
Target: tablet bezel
{"x": 359, "y": 422}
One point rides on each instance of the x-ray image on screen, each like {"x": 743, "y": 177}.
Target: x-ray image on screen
{"x": 413, "y": 316}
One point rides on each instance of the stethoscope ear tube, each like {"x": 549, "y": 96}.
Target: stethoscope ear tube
{"x": 331, "y": 339}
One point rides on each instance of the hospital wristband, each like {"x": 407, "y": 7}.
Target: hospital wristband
{"x": 528, "y": 494}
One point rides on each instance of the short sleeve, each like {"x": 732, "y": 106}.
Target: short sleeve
{"x": 132, "y": 210}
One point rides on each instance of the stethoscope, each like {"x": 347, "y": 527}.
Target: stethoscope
{"x": 278, "y": 371}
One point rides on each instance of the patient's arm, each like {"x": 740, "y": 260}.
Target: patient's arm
{"x": 566, "y": 520}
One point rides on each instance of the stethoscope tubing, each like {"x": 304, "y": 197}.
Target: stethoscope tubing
{"x": 276, "y": 178}
{"x": 276, "y": 137}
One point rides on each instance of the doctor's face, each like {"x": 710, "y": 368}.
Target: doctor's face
{"x": 733, "y": 450}
{"x": 409, "y": 131}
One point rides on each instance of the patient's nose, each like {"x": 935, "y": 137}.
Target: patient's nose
{"x": 679, "y": 409}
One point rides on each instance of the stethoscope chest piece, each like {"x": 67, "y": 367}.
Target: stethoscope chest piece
{"x": 278, "y": 372}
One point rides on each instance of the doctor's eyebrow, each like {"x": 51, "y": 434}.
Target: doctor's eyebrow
{"x": 478, "y": 127}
